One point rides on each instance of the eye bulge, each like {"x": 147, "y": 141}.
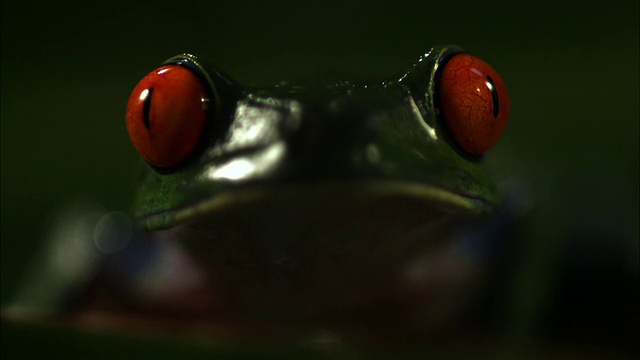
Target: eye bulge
{"x": 168, "y": 109}
{"x": 474, "y": 103}
{"x": 166, "y": 115}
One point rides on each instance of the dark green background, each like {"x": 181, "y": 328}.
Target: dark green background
{"x": 571, "y": 146}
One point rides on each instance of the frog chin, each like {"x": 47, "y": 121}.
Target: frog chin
{"x": 395, "y": 256}
{"x": 380, "y": 259}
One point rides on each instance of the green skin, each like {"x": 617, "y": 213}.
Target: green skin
{"x": 331, "y": 199}
{"x": 342, "y": 206}
{"x": 375, "y": 138}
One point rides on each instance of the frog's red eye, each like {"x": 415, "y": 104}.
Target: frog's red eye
{"x": 166, "y": 115}
{"x": 474, "y": 103}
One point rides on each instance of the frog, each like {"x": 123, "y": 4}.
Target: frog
{"x": 348, "y": 206}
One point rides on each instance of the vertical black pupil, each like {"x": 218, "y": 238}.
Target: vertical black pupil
{"x": 146, "y": 108}
{"x": 494, "y": 97}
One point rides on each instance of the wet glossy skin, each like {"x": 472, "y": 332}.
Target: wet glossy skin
{"x": 347, "y": 207}
{"x": 337, "y": 202}
{"x": 381, "y": 135}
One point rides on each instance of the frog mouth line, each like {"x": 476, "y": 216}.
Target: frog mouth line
{"x": 429, "y": 194}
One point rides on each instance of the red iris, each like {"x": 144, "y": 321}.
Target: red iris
{"x": 474, "y": 103}
{"x": 166, "y": 115}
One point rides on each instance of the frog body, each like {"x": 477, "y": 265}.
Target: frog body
{"x": 347, "y": 206}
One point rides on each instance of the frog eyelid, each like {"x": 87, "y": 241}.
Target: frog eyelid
{"x": 193, "y": 63}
